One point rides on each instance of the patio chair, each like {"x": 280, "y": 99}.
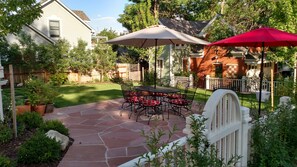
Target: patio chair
{"x": 130, "y": 98}
{"x": 183, "y": 87}
{"x": 183, "y": 102}
{"x": 148, "y": 105}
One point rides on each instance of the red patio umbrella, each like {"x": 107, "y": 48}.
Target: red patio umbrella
{"x": 262, "y": 37}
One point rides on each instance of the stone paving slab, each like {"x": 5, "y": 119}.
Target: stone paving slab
{"x": 104, "y": 138}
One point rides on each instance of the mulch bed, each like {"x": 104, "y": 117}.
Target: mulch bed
{"x": 10, "y": 149}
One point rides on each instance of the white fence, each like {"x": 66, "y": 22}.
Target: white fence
{"x": 227, "y": 129}
{"x": 242, "y": 85}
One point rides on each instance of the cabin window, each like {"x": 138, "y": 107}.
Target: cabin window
{"x": 54, "y": 28}
{"x": 159, "y": 63}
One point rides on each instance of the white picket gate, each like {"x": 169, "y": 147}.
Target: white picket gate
{"x": 227, "y": 125}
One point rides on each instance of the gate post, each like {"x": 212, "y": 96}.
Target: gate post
{"x": 245, "y": 135}
{"x": 191, "y": 79}
{"x": 243, "y": 83}
{"x": 207, "y": 85}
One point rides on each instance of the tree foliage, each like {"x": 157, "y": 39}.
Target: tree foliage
{"x": 80, "y": 59}
{"x": 14, "y": 14}
{"x": 137, "y": 16}
{"x": 23, "y": 54}
{"x": 110, "y": 34}
{"x": 234, "y": 17}
{"x": 104, "y": 58}
{"x": 53, "y": 56}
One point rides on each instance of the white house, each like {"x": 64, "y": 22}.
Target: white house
{"x": 58, "y": 22}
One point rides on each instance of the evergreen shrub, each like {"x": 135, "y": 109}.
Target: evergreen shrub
{"x": 39, "y": 149}
{"x": 6, "y": 162}
{"x": 6, "y": 133}
{"x": 54, "y": 125}
{"x": 30, "y": 120}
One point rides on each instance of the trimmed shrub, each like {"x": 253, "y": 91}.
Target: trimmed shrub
{"x": 58, "y": 79}
{"x": 39, "y": 149}
{"x": 6, "y": 133}
{"x": 6, "y": 162}
{"x": 31, "y": 120}
{"x": 54, "y": 125}
{"x": 21, "y": 128}
{"x": 117, "y": 79}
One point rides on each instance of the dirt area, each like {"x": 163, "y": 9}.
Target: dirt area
{"x": 10, "y": 149}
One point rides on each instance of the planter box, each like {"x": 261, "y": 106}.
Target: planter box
{"x": 23, "y": 108}
{"x": 40, "y": 109}
{"x": 264, "y": 97}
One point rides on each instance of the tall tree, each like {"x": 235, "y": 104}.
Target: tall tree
{"x": 137, "y": 16}
{"x": 104, "y": 58}
{"x": 80, "y": 59}
{"x": 14, "y": 14}
{"x": 54, "y": 56}
{"x": 109, "y": 34}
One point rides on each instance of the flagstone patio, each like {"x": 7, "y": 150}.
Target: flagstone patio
{"x": 104, "y": 138}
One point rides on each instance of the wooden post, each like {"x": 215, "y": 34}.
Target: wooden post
{"x": 142, "y": 74}
{"x": 13, "y": 101}
{"x": 272, "y": 85}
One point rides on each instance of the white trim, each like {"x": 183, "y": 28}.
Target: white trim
{"x": 41, "y": 34}
{"x": 70, "y": 11}
{"x": 231, "y": 64}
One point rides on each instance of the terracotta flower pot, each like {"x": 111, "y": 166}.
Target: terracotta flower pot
{"x": 40, "y": 109}
{"x": 23, "y": 108}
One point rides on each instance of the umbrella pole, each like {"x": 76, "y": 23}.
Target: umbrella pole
{"x": 155, "y": 74}
{"x": 261, "y": 80}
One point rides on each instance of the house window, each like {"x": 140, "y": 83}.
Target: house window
{"x": 159, "y": 63}
{"x": 54, "y": 28}
{"x": 217, "y": 70}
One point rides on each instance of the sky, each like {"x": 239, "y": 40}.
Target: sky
{"x": 102, "y": 13}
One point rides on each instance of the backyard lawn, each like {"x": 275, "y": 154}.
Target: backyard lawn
{"x": 71, "y": 95}
{"x": 87, "y": 93}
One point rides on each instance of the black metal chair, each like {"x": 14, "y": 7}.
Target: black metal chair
{"x": 183, "y": 102}
{"x": 148, "y": 105}
{"x": 183, "y": 87}
{"x": 130, "y": 98}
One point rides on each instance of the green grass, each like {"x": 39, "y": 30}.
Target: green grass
{"x": 249, "y": 101}
{"x": 87, "y": 93}
{"x": 71, "y": 95}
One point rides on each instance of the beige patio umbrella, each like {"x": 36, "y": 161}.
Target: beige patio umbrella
{"x": 156, "y": 36}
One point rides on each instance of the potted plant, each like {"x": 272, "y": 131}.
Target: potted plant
{"x": 50, "y": 94}
{"x": 36, "y": 91}
{"x": 21, "y": 107}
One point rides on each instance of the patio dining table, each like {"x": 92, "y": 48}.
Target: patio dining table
{"x": 158, "y": 89}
